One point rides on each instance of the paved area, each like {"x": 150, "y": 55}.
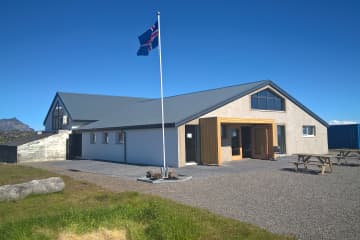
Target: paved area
{"x": 269, "y": 194}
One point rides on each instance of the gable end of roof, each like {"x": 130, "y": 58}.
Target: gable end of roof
{"x": 57, "y": 96}
{"x": 299, "y": 104}
{"x": 260, "y": 85}
{"x": 223, "y": 103}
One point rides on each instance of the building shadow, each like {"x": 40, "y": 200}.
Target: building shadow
{"x": 302, "y": 171}
{"x": 347, "y": 164}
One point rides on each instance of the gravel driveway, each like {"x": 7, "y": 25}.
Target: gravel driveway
{"x": 266, "y": 193}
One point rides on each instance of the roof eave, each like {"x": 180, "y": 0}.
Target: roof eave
{"x": 130, "y": 127}
{"x": 223, "y": 103}
{"x": 261, "y": 85}
{"x": 303, "y": 107}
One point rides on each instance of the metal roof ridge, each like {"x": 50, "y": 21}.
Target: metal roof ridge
{"x": 214, "y": 89}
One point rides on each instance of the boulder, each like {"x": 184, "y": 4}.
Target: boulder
{"x": 20, "y": 191}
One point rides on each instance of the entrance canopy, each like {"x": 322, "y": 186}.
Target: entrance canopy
{"x": 224, "y": 139}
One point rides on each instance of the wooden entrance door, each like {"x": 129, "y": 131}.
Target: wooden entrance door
{"x": 261, "y": 142}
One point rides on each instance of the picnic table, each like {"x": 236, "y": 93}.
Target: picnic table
{"x": 344, "y": 154}
{"x": 320, "y": 160}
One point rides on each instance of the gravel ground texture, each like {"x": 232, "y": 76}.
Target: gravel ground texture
{"x": 269, "y": 194}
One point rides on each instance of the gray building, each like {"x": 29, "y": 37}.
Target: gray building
{"x": 206, "y": 127}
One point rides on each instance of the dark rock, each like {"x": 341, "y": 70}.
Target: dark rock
{"x": 172, "y": 175}
{"x": 149, "y": 174}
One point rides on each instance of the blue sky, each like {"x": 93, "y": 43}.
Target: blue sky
{"x": 309, "y": 48}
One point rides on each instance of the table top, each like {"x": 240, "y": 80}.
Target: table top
{"x": 346, "y": 150}
{"x": 314, "y": 155}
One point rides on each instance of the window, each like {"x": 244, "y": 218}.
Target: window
{"x": 106, "y": 138}
{"x": 92, "y": 138}
{"x": 281, "y": 139}
{"x": 57, "y": 117}
{"x": 267, "y": 100}
{"x": 65, "y": 120}
{"x": 223, "y": 132}
{"x": 309, "y": 131}
{"x": 120, "y": 137}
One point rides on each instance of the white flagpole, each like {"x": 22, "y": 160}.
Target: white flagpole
{"x": 164, "y": 172}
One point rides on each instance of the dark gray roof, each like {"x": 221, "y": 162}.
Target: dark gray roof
{"x": 139, "y": 112}
{"x": 91, "y": 107}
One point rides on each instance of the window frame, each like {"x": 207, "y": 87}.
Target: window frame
{"x": 92, "y": 138}
{"x": 106, "y": 139}
{"x": 57, "y": 116}
{"x": 120, "y": 137}
{"x": 281, "y": 135}
{"x": 307, "y": 133}
{"x": 267, "y": 100}
{"x": 224, "y": 131}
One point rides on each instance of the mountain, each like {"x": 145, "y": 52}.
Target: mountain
{"x": 13, "y": 124}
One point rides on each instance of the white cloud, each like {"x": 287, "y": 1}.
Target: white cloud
{"x": 341, "y": 122}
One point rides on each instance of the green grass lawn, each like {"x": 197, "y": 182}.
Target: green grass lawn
{"x": 83, "y": 207}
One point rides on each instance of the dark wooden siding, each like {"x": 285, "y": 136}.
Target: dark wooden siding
{"x": 8, "y": 154}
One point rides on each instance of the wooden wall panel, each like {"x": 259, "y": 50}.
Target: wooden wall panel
{"x": 210, "y": 144}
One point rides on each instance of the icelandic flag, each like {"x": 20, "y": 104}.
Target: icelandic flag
{"x": 149, "y": 40}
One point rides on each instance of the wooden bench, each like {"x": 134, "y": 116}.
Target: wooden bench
{"x": 323, "y": 161}
{"x": 344, "y": 158}
{"x": 345, "y": 154}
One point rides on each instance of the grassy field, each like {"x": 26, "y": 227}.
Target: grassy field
{"x": 83, "y": 208}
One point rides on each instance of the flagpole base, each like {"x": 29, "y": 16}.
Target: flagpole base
{"x": 164, "y": 172}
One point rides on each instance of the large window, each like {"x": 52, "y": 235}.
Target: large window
{"x": 309, "y": 131}
{"x": 267, "y": 100}
{"x": 58, "y": 117}
{"x": 281, "y": 138}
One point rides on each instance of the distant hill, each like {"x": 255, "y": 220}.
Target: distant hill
{"x": 12, "y": 129}
{"x": 13, "y": 124}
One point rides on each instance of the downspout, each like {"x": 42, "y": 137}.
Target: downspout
{"x": 125, "y": 155}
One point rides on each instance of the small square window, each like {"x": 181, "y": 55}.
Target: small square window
{"x": 105, "y": 138}
{"x": 65, "y": 120}
{"x": 92, "y": 138}
{"x": 309, "y": 131}
{"x": 120, "y": 137}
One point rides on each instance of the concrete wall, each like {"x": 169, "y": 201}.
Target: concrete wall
{"x": 112, "y": 151}
{"x": 46, "y": 149}
{"x": 144, "y": 146}
{"x": 293, "y": 118}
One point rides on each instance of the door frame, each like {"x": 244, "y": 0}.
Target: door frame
{"x": 237, "y": 128}
{"x": 210, "y": 136}
{"x": 195, "y": 138}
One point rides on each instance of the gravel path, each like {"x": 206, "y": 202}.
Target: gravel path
{"x": 266, "y": 193}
